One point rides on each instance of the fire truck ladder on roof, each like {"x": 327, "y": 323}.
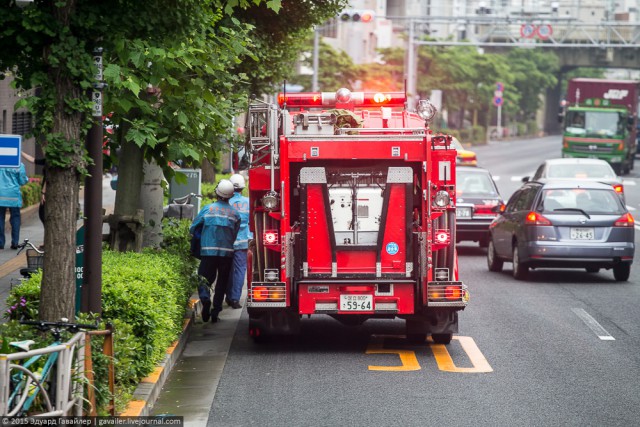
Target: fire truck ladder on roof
{"x": 263, "y": 131}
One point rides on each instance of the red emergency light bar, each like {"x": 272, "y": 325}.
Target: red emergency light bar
{"x": 342, "y": 97}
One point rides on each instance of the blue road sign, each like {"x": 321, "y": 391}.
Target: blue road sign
{"x": 497, "y": 101}
{"x": 10, "y": 149}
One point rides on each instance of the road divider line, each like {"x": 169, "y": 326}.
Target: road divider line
{"x": 631, "y": 208}
{"x": 628, "y": 182}
{"x": 593, "y": 325}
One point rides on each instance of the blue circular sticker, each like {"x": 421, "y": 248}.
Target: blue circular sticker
{"x": 392, "y": 248}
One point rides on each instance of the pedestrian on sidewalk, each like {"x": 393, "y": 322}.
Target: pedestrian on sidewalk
{"x": 43, "y": 187}
{"x": 220, "y": 226}
{"x": 241, "y": 245}
{"x": 11, "y": 179}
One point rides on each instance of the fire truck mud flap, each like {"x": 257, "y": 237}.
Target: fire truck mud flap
{"x": 262, "y": 323}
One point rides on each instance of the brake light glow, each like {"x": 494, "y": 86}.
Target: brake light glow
{"x": 625, "y": 220}
{"x": 260, "y": 293}
{"x": 534, "y": 218}
{"x": 453, "y": 292}
{"x": 270, "y": 237}
{"x": 484, "y": 210}
{"x": 618, "y": 188}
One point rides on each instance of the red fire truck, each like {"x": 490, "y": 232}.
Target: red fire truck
{"x": 353, "y": 212}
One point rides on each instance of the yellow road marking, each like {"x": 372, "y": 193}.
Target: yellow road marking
{"x": 445, "y": 363}
{"x": 407, "y": 357}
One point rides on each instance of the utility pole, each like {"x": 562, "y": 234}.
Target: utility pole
{"x": 410, "y": 70}
{"x": 92, "y": 269}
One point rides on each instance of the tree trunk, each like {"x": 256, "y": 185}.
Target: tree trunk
{"x": 151, "y": 200}
{"x": 208, "y": 172}
{"x": 125, "y": 223}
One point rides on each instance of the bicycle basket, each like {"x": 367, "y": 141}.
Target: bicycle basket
{"x": 34, "y": 259}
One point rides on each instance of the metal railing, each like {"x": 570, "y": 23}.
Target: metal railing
{"x": 68, "y": 389}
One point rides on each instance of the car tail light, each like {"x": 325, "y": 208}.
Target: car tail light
{"x": 618, "y": 188}
{"x": 484, "y": 210}
{"x": 534, "y": 218}
{"x": 625, "y": 220}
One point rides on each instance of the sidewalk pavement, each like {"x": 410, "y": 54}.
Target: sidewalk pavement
{"x": 185, "y": 384}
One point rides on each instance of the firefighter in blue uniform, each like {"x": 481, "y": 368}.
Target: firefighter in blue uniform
{"x": 221, "y": 223}
{"x": 241, "y": 245}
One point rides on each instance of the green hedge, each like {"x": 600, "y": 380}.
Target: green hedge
{"x": 144, "y": 295}
{"x": 31, "y": 192}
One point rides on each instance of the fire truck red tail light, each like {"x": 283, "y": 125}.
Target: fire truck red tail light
{"x": 260, "y": 293}
{"x": 625, "y": 220}
{"x": 453, "y": 292}
{"x": 534, "y": 218}
{"x": 270, "y": 237}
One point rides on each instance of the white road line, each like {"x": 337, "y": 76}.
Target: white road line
{"x": 628, "y": 182}
{"x": 496, "y": 178}
{"x": 637, "y": 227}
{"x": 516, "y": 178}
{"x": 631, "y": 208}
{"x": 593, "y": 324}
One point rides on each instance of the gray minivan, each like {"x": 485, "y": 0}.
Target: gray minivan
{"x": 563, "y": 224}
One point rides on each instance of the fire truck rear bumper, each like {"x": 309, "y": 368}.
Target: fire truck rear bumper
{"x": 360, "y": 297}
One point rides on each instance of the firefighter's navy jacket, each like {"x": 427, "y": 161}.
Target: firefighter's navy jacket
{"x": 241, "y": 204}
{"x": 221, "y": 226}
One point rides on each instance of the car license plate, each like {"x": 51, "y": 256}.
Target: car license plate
{"x": 582, "y": 233}
{"x": 463, "y": 212}
{"x": 356, "y": 303}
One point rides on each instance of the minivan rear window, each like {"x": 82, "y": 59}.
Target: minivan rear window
{"x": 591, "y": 201}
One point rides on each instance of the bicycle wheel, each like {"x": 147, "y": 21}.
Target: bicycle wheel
{"x": 24, "y": 387}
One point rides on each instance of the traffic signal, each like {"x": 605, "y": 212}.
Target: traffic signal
{"x": 354, "y": 15}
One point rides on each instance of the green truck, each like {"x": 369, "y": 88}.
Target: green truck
{"x": 600, "y": 121}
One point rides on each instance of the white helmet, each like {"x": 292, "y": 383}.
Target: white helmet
{"x": 225, "y": 189}
{"x": 237, "y": 180}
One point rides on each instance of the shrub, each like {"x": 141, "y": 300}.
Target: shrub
{"x": 522, "y": 129}
{"x": 144, "y": 295}
{"x": 31, "y": 193}
{"x": 532, "y": 127}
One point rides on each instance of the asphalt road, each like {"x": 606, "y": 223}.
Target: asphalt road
{"x": 562, "y": 348}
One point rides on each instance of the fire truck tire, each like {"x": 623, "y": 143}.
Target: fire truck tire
{"x": 417, "y": 338}
{"x": 493, "y": 262}
{"x": 442, "y": 338}
{"x": 520, "y": 269}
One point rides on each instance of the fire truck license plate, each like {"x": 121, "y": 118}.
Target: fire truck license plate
{"x": 582, "y": 233}
{"x": 356, "y": 303}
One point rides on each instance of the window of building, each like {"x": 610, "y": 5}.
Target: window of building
{"x": 21, "y": 123}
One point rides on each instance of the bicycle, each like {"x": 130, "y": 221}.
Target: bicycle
{"x": 33, "y": 379}
{"x": 35, "y": 258}
{"x": 182, "y": 207}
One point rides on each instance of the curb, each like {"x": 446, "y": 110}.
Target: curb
{"x": 148, "y": 390}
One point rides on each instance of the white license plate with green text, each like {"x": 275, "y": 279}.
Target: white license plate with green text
{"x": 356, "y": 303}
{"x": 582, "y": 233}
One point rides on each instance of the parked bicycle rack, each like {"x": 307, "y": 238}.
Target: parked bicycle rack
{"x": 69, "y": 394}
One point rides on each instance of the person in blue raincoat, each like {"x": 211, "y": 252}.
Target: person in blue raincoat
{"x": 220, "y": 225}
{"x": 11, "y": 179}
{"x": 241, "y": 245}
